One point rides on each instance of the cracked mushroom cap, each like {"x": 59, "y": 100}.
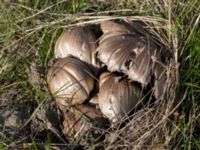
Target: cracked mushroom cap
{"x": 117, "y": 97}
{"x": 70, "y": 81}
{"x": 79, "y": 42}
{"x": 129, "y": 53}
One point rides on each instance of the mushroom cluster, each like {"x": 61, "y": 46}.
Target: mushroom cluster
{"x": 132, "y": 60}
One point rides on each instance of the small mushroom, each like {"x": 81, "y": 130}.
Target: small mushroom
{"x": 79, "y": 42}
{"x": 82, "y": 118}
{"x": 127, "y": 52}
{"x": 118, "y": 97}
{"x": 70, "y": 81}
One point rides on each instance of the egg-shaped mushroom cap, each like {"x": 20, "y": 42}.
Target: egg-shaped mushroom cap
{"x": 70, "y": 81}
{"x": 117, "y": 97}
{"x": 79, "y": 42}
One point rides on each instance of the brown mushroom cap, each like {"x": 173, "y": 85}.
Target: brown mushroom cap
{"x": 79, "y": 42}
{"x": 70, "y": 81}
{"x": 118, "y": 97}
{"x": 80, "y": 119}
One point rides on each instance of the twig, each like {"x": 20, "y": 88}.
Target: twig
{"x": 10, "y": 85}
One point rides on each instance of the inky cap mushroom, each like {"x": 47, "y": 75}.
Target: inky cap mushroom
{"x": 117, "y": 97}
{"x": 79, "y": 42}
{"x": 70, "y": 81}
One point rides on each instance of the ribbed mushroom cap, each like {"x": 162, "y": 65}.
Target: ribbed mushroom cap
{"x": 129, "y": 53}
{"x": 79, "y": 42}
{"x": 118, "y": 97}
{"x": 80, "y": 119}
{"x": 70, "y": 81}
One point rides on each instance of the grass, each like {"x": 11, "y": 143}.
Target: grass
{"x": 28, "y": 31}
